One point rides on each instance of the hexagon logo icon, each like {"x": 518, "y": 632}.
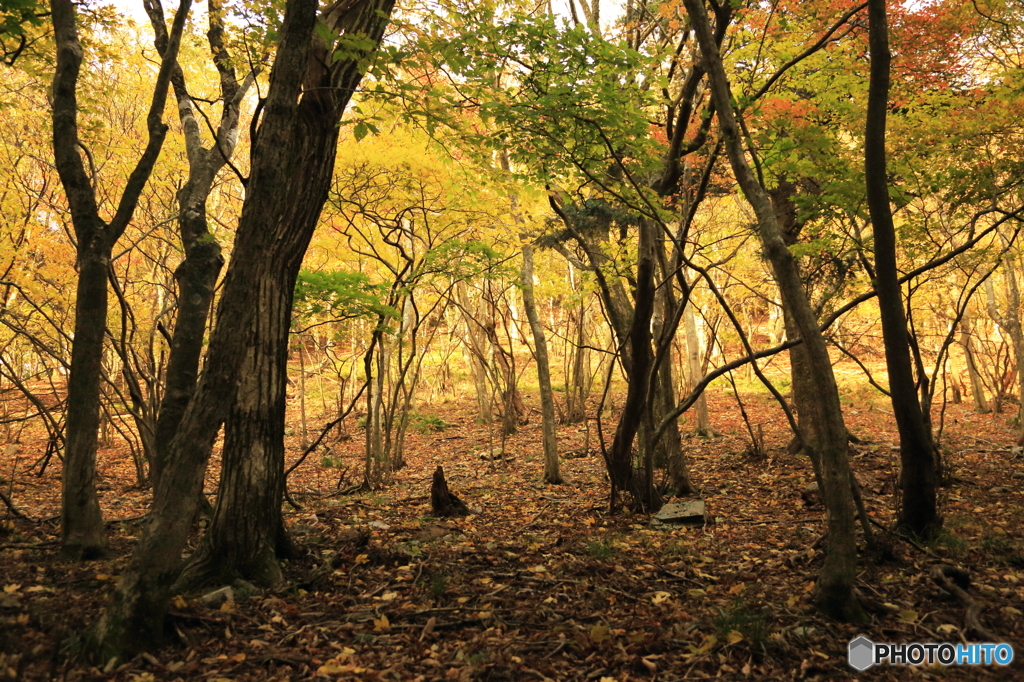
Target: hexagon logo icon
{"x": 862, "y": 653}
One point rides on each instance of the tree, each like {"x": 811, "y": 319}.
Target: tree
{"x": 246, "y": 535}
{"x": 292, "y": 159}
{"x": 825, "y": 434}
{"x": 82, "y": 535}
{"x": 918, "y": 511}
{"x": 196, "y": 276}
{"x": 547, "y": 401}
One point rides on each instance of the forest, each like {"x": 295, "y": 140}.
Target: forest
{"x": 509, "y": 340}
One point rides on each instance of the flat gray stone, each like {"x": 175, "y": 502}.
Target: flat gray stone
{"x": 218, "y": 597}
{"x": 679, "y": 513}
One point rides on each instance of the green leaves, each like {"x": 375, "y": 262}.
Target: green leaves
{"x": 340, "y": 294}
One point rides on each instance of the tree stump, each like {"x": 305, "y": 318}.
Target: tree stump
{"x": 443, "y": 501}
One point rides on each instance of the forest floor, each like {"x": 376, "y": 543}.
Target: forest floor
{"x": 541, "y": 582}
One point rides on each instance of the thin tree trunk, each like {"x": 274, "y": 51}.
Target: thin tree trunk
{"x": 82, "y": 533}
{"x": 695, "y": 371}
{"x": 547, "y": 400}
{"x": 835, "y": 586}
{"x": 977, "y": 385}
{"x": 620, "y": 454}
{"x": 918, "y": 511}
{"x": 197, "y": 274}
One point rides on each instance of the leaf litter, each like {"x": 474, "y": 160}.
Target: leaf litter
{"x": 540, "y": 582}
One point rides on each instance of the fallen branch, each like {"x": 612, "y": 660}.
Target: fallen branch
{"x": 954, "y": 581}
{"x": 10, "y": 505}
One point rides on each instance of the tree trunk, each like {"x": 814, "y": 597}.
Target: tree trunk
{"x": 197, "y": 274}
{"x": 293, "y": 144}
{"x": 247, "y": 531}
{"x": 695, "y": 371}
{"x": 977, "y": 385}
{"x": 620, "y": 454}
{"x": 243, "y": 536}
{"x": 918, "y": 511}
{"x": 547, "y": 400}
{"x": 828, "y": 443}
{"x": 82, "y": 534}
{"x": 578, "y": 378}
{"x": 1010, "y": 323}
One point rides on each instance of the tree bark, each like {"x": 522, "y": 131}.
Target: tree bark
{"x": 277, "y": 222}
{"x": 1010, "y": 323}
{"x": 540, "y": 344}
{"x": 977, "y": 385}
{"x": 246, "y": 534}
{"x": 197, "y": 274}
{"x": 695, "y": 371}
{"x": 835, "y": 594}
{"x": 82, "y": 534}
{"x": 918, "y": 511}
{"x": 620, "y": 454}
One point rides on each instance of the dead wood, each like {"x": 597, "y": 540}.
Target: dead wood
{"x": 955, "y": 581}
{"x": 443, "y": 501}
{"x": 11, "y": 507}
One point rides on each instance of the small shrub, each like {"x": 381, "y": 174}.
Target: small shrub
{"x": 438, "y": 583}
{"x": 426, "y": 423}
{"x": 601, "y": 549}
{"x": 753, "y": 625}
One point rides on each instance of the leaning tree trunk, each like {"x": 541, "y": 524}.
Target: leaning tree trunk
{"x": 243, "y": 536}
{"x": 82, "y": 534}
{"x": 827, "y": 442}
{"x": 277, "y": 222}
{"x": 197, "y": 274}
{"x": 918, "y": 511}
{"x": 247, "y": 533}
{"x": 547, "y": 400}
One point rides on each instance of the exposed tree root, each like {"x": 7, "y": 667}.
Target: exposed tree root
{"x": 955, "y": 581}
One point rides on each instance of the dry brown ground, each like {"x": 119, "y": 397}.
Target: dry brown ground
{"x": 541, "y": 582}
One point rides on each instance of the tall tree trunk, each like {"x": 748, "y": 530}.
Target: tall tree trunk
{"x": 669, "y": 448}
{"x": 243, "y": 536}
{"x": 293, "y": 145}
{"x": 197, "y": 274}
{"x": 827, "y": 443}
{"x": 246, "y": 534}
{"x": 977, "y": 385}
{"x": 620, "y": 454}
{"x": 578, "y": 378}
{"x": 82, "y": 534}
{"x": 540, "y": 344}
{"x": 918, "y": 511}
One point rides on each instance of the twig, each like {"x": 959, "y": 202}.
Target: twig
{"x": 10, "y": 505}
